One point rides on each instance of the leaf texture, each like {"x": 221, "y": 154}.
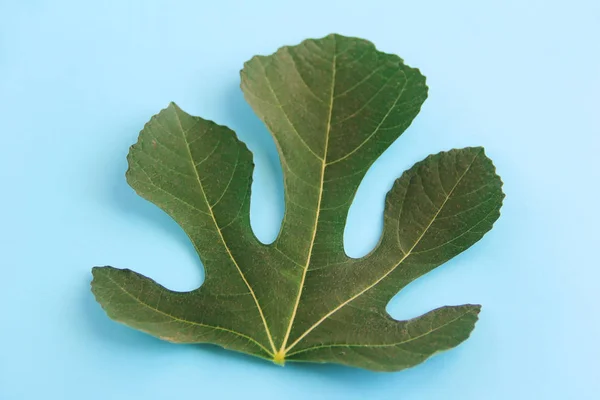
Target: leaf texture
{"x": 333, "y": 105}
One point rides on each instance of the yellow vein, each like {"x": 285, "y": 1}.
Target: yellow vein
{"x": 212, "y": 215}
{"x": 282, "y": 350}
{"x": 280, "y": 106}
{"x": 470, "y": 230}
{"x": 185, "y": 321}
{"x": 412, "y": 339}
{"x": 378, "y": 126}
{"x": 404, "y": 257}
{"x": 228, "y": 182}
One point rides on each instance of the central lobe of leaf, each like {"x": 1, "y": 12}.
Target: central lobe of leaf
{"x": 333, "y": 106}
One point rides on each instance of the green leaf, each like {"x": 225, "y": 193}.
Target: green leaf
{"x": 333, "y": 105}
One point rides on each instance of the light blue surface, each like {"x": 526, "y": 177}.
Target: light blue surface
{"x": 79, "y": 79}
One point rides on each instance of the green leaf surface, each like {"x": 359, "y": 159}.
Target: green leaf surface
{"x": 333, "y": 105}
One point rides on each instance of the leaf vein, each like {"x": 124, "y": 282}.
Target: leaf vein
{"x": 404, "y": 257}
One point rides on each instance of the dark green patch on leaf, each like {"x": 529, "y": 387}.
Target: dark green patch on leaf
{"x": 333, "y": 105}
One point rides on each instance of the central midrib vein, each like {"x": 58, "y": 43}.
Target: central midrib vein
{"x": 212, "y": 215}
{"x": 283, "y": 350}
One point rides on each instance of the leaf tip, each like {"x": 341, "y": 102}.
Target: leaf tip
{"x": 96, "y": 271}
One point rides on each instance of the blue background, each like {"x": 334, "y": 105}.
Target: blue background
{"x": 79, "y": 79}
